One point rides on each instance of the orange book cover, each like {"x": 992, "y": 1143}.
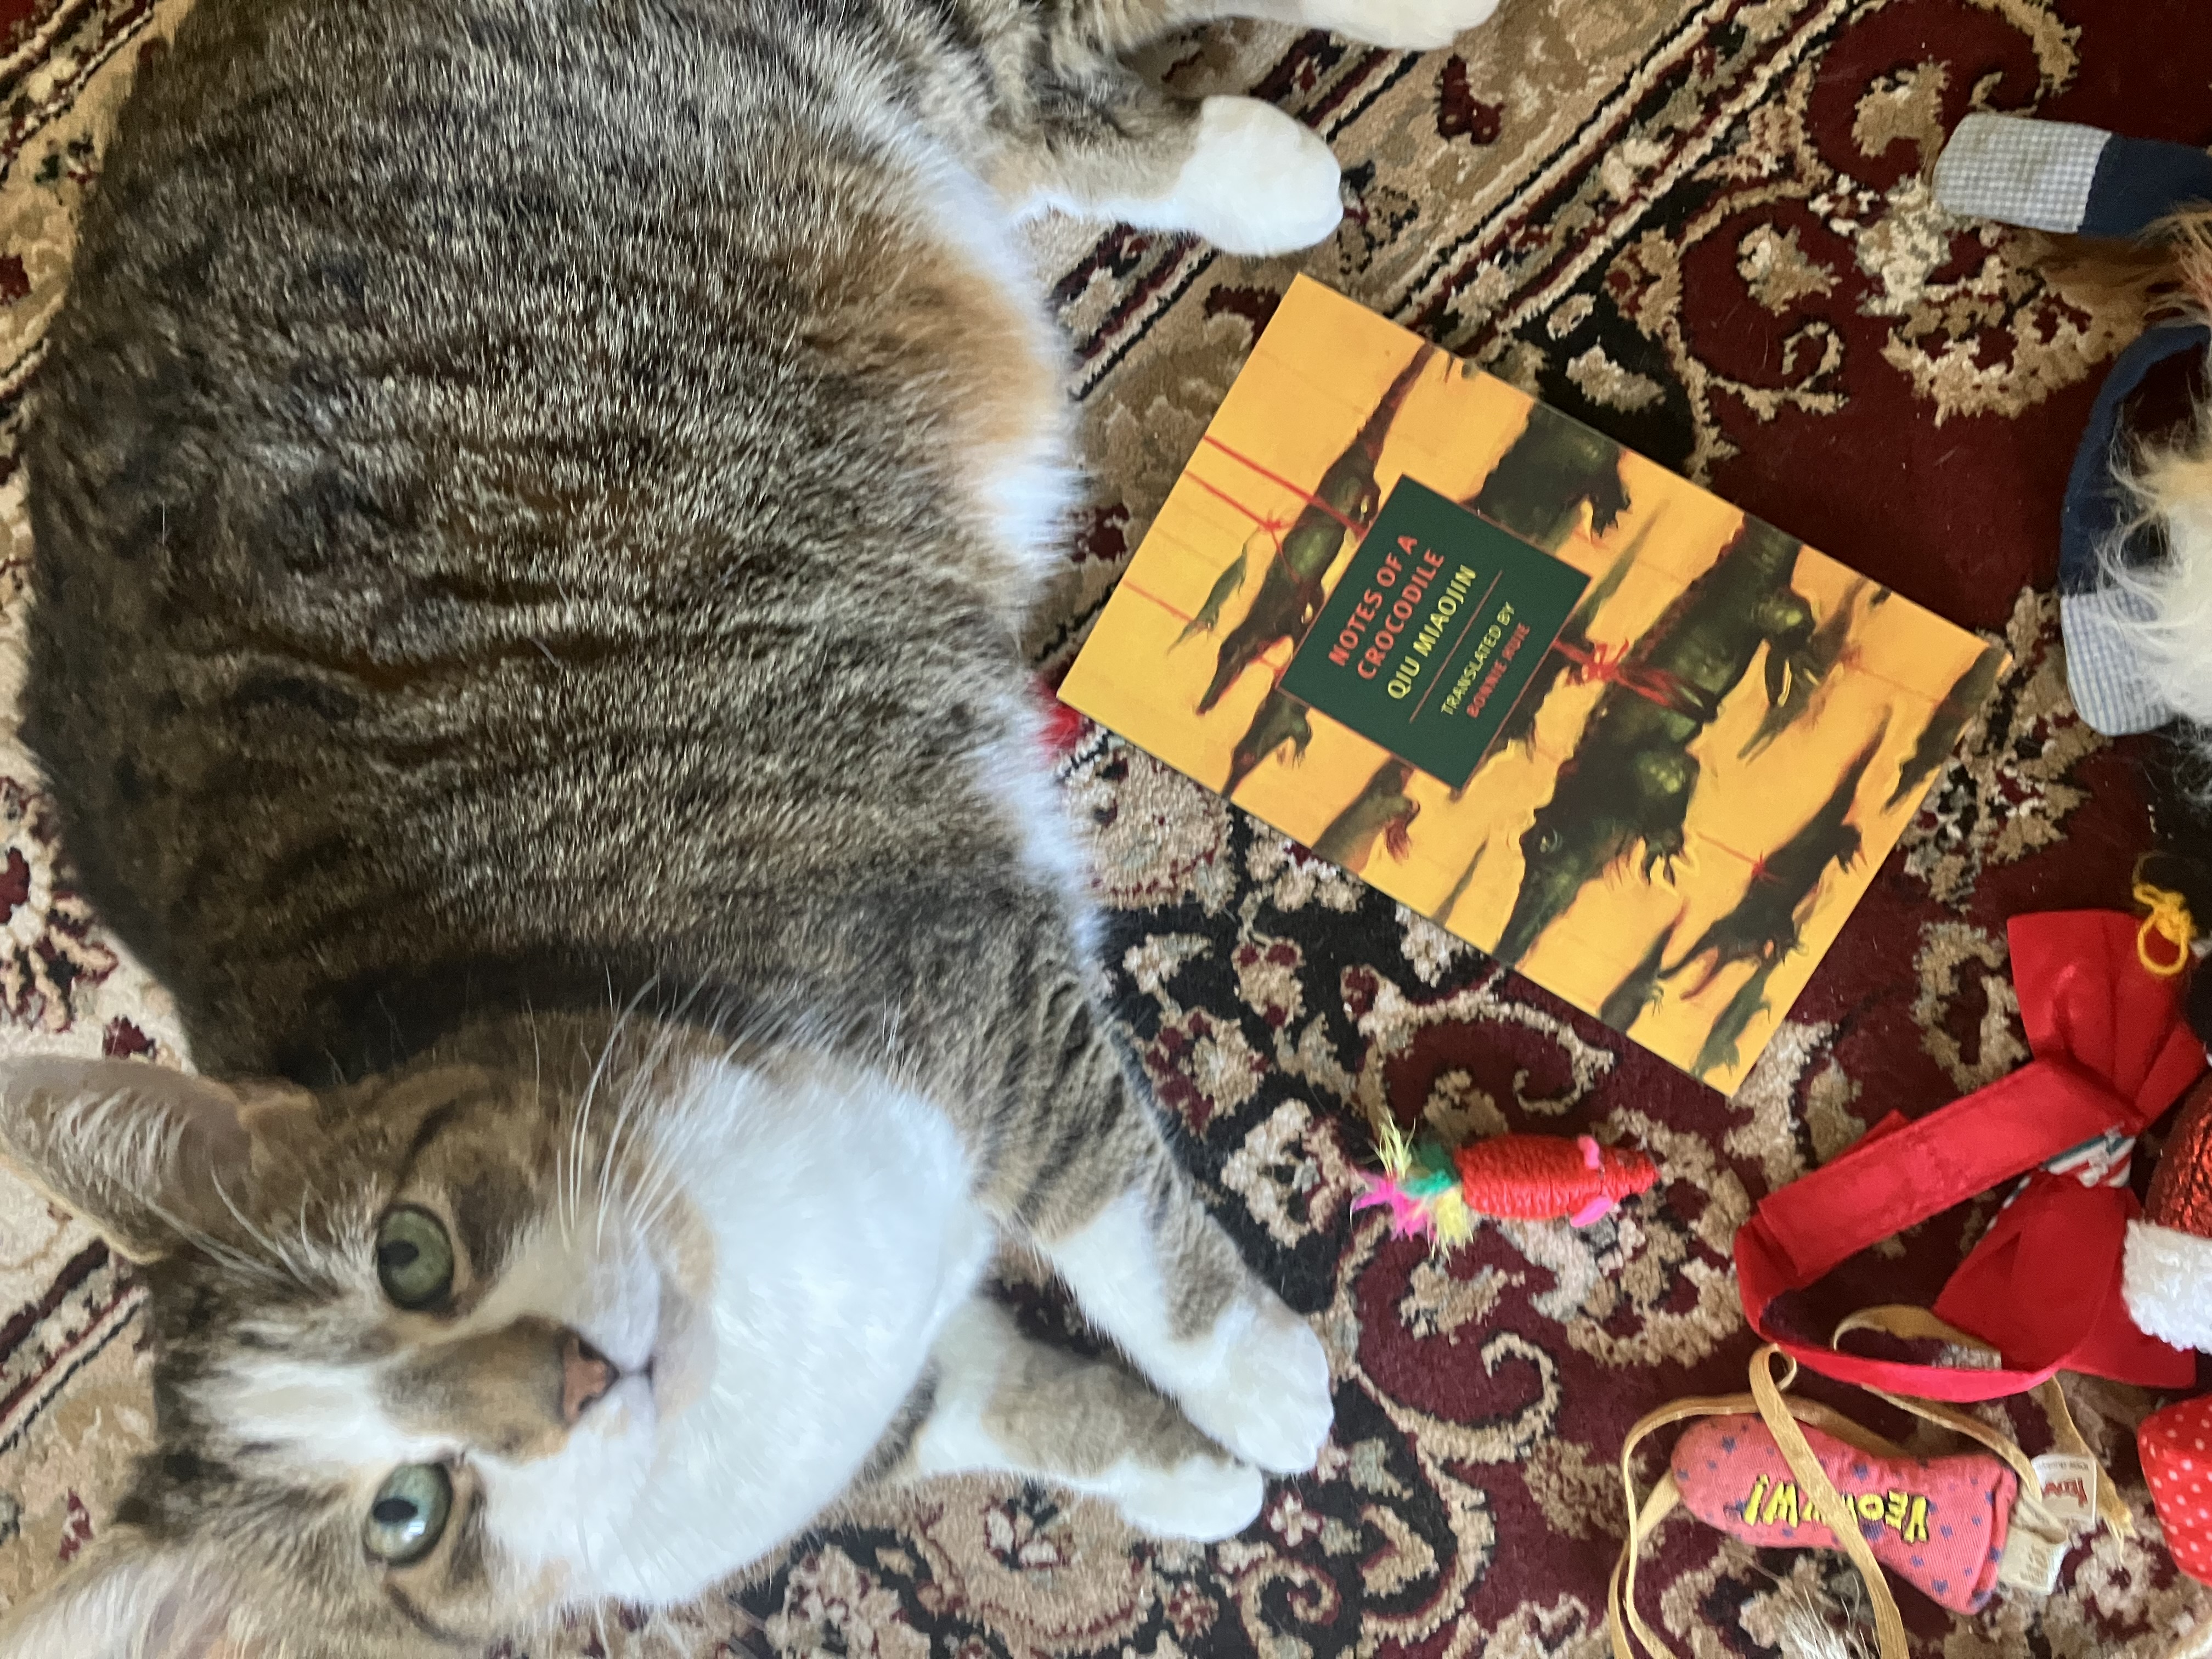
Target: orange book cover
{"x": 1640, "y": 746}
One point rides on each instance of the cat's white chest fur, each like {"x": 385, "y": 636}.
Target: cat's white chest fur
{"x": 843, "y": 1236}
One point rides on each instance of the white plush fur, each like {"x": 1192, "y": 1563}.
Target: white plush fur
{"x": 2167, "y": 1281}
{"x": 2173, "y": 489}
{"x": 1258, "y": 1382}
{"x": 843, "y": 1238}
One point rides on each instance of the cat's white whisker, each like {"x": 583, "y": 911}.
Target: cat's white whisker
{"x": 259, "y": 1235}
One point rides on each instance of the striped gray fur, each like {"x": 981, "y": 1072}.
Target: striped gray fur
{"x": 534, "y": 504}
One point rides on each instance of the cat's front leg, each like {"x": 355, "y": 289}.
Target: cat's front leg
{"x": 1241, "y": 173}
{"x": 1078, "y": 1167}
{"x": 1001, "y": 1403}
{"x": 1253, "y": 181}
{"x": 1409, "y": 25}
{"x": 1157, "y": 1273}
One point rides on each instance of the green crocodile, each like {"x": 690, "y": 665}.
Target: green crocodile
{"x": 1722, "y": 1045}
{"x": 1384, "y": 809}
{"x": 1280, "y": 721}
{"x": 1764, "y": 925}
{"x": 1765, "y": 928}
{"x": 1641, "y": 992}
{"x": 1937, "y": 739}
{"x": 1291, "y": 593}
{"x": 1629, "y": 780}
{"x": 1520, "y": 726}
{"x": 1555, "y": 468}
{"x": 1808, "y": 691}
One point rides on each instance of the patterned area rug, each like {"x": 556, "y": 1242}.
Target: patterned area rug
{"x": 1705, "y": 227}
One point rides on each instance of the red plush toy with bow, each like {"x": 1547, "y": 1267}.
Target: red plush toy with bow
{"x": 2169, "y": 1253}
{"x": 2074, "y": 1274}
{"x": 2169, "y": 1290}
{"x": 2112, "y": 1053}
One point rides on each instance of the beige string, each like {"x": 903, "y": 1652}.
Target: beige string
{"x": 1918, "y": 1324}
{"x": 1769, "y": 1400}
{"x": 1782, "y": 1415}
{"x": 1890, "y": 1639}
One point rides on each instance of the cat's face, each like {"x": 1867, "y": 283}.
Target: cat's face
{"x": 447, "y": 1354}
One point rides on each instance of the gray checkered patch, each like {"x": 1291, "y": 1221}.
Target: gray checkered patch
{"x": 2103, "y": 661}
{"x": 2033, "y": 174}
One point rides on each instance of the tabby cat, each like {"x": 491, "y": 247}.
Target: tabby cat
{"x": 534, "y": 503}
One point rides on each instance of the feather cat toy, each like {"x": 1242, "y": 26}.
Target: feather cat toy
{"x": 1436, "y": 1192}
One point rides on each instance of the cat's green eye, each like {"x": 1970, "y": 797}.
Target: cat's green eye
{"x": 408, "y": 1515}
{"x": 414, "y": 1257}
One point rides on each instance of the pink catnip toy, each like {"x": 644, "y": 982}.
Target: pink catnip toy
{"x": 1940, "y": 1523}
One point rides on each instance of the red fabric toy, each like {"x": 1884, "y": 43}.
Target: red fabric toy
{"x": 1440, "y": 1194}
{"x": 2112, "y": 1053}
{"x": 2176, "y": 1445}
{"x": 1936, "y": 1522}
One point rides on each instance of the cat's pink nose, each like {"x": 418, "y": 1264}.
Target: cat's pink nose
{"x": 585, "y": 1376}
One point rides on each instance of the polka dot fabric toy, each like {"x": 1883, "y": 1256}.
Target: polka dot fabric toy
{"x": 1936, "y": 1522}
{"x": 2176, "y": 1445}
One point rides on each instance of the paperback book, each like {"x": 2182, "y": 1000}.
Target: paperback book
{"x": 1638, "y": 746}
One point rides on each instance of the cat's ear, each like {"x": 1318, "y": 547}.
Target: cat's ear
{"x": 128, "y": 1598}
{"x": 145, "y": 1154}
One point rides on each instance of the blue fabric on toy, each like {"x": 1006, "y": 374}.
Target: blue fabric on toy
{"x": 2056, "y": 176}
{"x": 2140, "y": 181}
{"x": 2069, "y": 180}
{"x": 2096, "y": 617}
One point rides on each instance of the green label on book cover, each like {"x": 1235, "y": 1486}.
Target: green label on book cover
{"x": 1434, "y": 633}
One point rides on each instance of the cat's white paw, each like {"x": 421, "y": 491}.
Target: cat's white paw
{"x": 1267, "y": 1399}
{"x": 1259, "y": 182}
{"x": 1202, "y": 1498}
{"x": 1408, "y": 25}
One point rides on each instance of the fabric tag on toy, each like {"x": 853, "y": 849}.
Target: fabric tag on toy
{"x": 2069, "y": 1489}
{"x": 2031, "y": 1560}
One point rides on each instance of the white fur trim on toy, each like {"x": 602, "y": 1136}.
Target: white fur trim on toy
{"x": 2167, "y": 1281}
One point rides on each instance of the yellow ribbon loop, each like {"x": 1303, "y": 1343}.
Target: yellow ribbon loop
{"x": 2169, "y": 920}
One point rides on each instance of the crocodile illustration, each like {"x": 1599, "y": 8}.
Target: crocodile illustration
{"x": 1641, "y": 992}
{"x": 1384, "y": 809}
{"x": 1720, "y": 1046}
{"x": 1629, "y": 782}
{"x": 1280, "y": 721}
{"x": 1442, "y": 914}
{"x": 1539, "y": 486}
{"x": 1574, "y": 648}
{"x": 1960, "y": 704}
{"x": 1291, "y": 593}
{"x": 1808, "y": 692}
{"x": 1764, "y": 928}
{"x": 1227, "y": 587}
